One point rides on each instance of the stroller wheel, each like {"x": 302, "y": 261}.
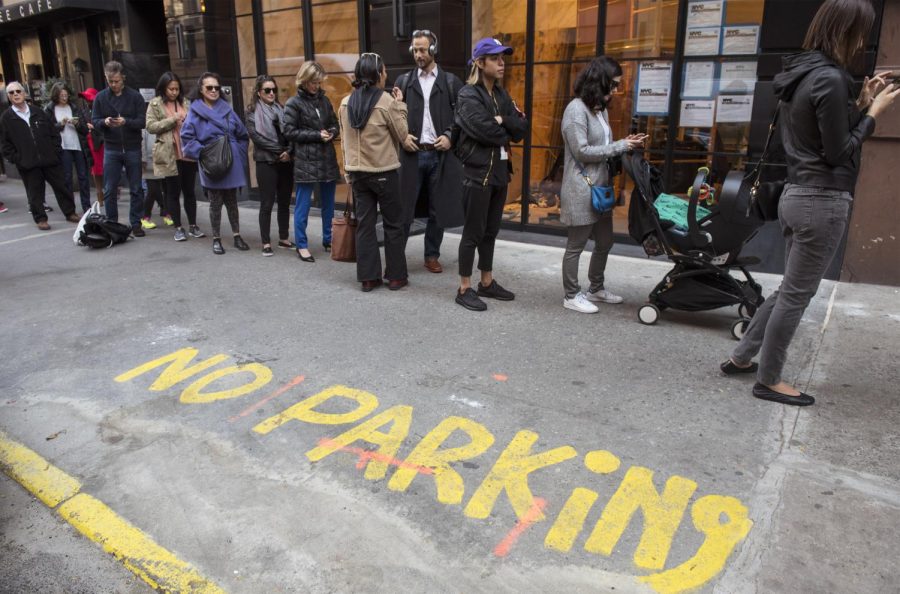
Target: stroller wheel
{"x": 648, "y": 314}
{"x": 739, "y": 327}
{"x": 746, "y": 310}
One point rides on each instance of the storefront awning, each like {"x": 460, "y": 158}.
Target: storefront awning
{"x": 37, "y": 13}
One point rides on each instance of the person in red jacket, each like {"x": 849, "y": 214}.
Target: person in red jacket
{"x": 95, "y": 143}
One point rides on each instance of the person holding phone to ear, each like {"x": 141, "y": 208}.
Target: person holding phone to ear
{"x": 72, "y": 126}
{"x": 589, "y": 148}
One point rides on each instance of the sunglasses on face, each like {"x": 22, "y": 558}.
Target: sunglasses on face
{"x": 268, "y": 90}
{"x": 14, "y": 91}
{"x": 215, "y": 88}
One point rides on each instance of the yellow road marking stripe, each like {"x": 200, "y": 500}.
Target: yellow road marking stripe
{"x": 94, "y": 519}
{"x": 46, "y": 482}
{"x": 152, "y": 563}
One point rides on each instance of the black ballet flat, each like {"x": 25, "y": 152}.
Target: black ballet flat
{"x": 763, "y": 393}
{"x": 729, "y": 368}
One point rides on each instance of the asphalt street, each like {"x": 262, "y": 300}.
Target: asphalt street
{"x": 193, "y": 422}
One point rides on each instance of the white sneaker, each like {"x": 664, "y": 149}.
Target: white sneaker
{"x": 580, "y": 304}
{"x": 604, "y": 296}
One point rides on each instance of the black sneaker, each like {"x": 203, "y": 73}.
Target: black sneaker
{"x": 240, "y": 244}
{"x": 470, "y": 300}
{"x": 267, "y": 251}
{"x": 47, "y": 207}
{"x": 196, "y": 232}
{"x": 495, "y": 291}
{"x": 138, "y": 231}
{"x": 218, "y": 249}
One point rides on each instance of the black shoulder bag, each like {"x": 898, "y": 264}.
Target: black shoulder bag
{"x": 216, "y": 157}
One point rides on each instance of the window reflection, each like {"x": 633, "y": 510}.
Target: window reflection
{"x": 284, "y": 41}
{"x": 641, "y": 28}
{"x": 336, "y": 32}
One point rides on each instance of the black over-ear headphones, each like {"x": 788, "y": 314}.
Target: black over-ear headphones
{"x": 433, "y": 48}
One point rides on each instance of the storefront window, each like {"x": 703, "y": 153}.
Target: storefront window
{"x": 641, "y": 28}
{"x": 284, "y": 41}
{"x": 336, "y": 33}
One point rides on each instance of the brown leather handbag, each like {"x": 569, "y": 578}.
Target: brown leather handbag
{"x": 343, "y": 233}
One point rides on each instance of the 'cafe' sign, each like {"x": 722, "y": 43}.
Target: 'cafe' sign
{"x": 26, "y": 9}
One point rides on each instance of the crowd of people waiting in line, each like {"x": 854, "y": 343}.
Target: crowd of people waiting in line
{"x": 437, "y": 147}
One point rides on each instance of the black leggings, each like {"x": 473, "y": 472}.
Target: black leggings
{"x": 155, "y": 195}
{"x": 182, "y": 183}
{"x": 216, "y": 199}
{"x": 483, "y": 206}
{"x": 276, "y": 182}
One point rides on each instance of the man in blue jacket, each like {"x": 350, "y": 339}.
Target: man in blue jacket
{"x": 121, "y": 113}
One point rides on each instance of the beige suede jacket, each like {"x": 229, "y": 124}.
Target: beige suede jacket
{"x": 374, "y": 148}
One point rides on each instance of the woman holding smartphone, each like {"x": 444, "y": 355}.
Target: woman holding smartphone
{"x": 72, "y": 126}
{"x": 589, "y": 148}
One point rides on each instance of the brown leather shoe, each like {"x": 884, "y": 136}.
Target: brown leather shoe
{"x": 395, "y": 285}
{"x": 73, "y": 218}
{"x": 43, "y": 225}
{"x": 432, "y": 265}
{"x": 369, "y": 285}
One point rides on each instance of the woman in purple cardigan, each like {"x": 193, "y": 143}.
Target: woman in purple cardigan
{"x": 209, "y": 118}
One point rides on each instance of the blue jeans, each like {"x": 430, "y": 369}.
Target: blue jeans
{"x": 113, "y": 160}
{"x": 76, "y": 158}
{"x": 427, "y": 176}
{"x": 301, "y": 211}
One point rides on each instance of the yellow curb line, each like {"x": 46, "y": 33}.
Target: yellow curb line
{"x": 161, "y": 569}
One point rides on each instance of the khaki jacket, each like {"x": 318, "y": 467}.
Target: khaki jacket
{"x": 376, "y": 147}
{"x": 163, "y": 127}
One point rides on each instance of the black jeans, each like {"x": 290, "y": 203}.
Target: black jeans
{"x": 156, "y": 194}
{"x": 182, "y": 184}
{"x": 35, "y": 180}
{"x": 428, "y": 177}
{"x": 276, "y": 183}
{"x": 372, "y": 192}
{"x": 483, "y": 207}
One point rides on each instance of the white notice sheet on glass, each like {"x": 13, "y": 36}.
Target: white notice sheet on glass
{"x": 698, "y": 79}
{"x": 705, "y": 14}
{"x": 697, "y": 114}
{"x": 737, "y": 78}
{"x": 702, "y": 41}
{"x": 654, "y": 86}
{"x": 740, "y": 40}
{"x": 734, "y": 109}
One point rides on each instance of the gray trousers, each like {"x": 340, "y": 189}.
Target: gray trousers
{"x": 813, "y": 222}
{"x": 602, "y": 234}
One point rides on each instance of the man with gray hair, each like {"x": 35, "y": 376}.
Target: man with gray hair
{"x": 32, "y": 143}
{"x": 121, "y": 113}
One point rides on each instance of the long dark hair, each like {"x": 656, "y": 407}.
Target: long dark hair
{"x": 260, "y": 81}
{"x": 839, "y": 29}
{"x": 595, "y": 82}
{"x": 368, "y": 71}
{"x": 163, "y": 83}
{"x": 197, "y": 91}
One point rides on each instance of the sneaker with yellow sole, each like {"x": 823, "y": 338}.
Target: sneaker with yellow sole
{"x": 146, "y": 223}
{"x": 168, "y": 220}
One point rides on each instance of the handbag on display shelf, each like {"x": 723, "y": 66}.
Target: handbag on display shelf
{"x": 343, "y": 233}
{"x": 760, "y": 197}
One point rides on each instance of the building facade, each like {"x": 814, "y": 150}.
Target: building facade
{"x": 697, "y": 78}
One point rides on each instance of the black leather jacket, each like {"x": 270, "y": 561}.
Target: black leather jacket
{"x": 29, "y": 145}
{"x": 481, "y": 137}
{"x": 820, "y": 126}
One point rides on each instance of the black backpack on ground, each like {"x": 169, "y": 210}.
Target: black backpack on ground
{"x": 100, "y": 232}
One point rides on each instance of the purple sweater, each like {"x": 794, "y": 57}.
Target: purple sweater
{"x": 202, "y": 126}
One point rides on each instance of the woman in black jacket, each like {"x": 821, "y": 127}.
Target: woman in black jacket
{"x": 273, "y": 161}
{"x": 311, "y": 125}
{"x": 488, "y": 121}
{"x": 822, "y": 130}
{"x": 73, "y": 130}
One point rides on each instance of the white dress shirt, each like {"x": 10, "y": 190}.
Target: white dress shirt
{"x": 426, "y": 81}
{"x": 25, "y": 115}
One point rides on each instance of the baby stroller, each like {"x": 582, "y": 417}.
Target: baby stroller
{"x": 705, "y": 248}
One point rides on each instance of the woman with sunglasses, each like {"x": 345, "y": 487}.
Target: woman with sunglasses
{"x": 311, "y": 125}
{"x": 589, "y": 148}
{"x": 209, "y": 118}
{"x": 272, "y": 154}
{"x": 166, "y": 114}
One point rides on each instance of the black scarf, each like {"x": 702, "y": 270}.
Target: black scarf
{"x": 361, "y": 104}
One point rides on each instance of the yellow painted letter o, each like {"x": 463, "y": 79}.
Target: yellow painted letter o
{"x": 193, "y": 394}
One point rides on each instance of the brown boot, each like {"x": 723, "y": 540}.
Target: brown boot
{"x": 43, "y": 225}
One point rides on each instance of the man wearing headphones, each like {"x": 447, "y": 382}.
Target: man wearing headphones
{"x": 429, "y": 170}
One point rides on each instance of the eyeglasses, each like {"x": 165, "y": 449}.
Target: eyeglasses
{"x": 14, "y": 91}
{"x": 215, "y": 88}
{"x": 266, "y": 90}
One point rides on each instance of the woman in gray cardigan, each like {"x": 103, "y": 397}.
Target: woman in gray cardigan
{"x": 589, "y": 145}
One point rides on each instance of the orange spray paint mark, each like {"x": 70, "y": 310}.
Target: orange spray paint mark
{"x": 537, "y": 508}
{"x": 365, "y": 456}
{"x": 501, "y": 377}
{"x": 294, "y": 382}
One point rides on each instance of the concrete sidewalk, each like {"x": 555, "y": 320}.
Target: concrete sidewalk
{"x": 258, "y": 502}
